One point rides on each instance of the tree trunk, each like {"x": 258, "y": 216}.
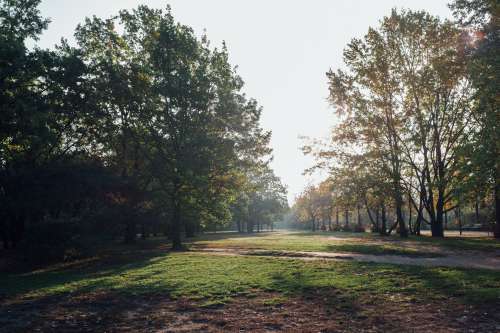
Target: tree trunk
{"x": 383, "y": 228}
{"x": 410, "y": 218}
{"x": 437, "y": 226}
{"x": 346, "y": 218}
{"x": 189, "y": 229}
{"x": 403, "y": 232}
{"x": 496, "y": 193}
{"x": 5, "y": 237}
{"x": 459, "y": 217}
{"x": 144, "y": 234}
{"x": 374, "y": 222}
{"x": 359, "y": 216}
{"x": 337, "y": 217}
{"x": 445, "y": 219}
{"x": 249, "y": 226}
{"x": 176, "y": 226}
{"x": 420, "y": 215}
{"x": 476, "y": 209}
{"x": 130, "y": 230}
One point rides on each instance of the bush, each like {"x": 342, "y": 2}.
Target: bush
{"x": 336, "y": 228}
{"x": 52, "y": 241}
{"x": 359, "y": 228}
{"x": 347, "y": 228}
{"x": 352, "y": 228}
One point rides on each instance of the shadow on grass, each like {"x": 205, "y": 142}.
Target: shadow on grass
{"x": 297, "y": 284}
{"x": 104, "y": 311}
{"x": 471, "y": 286}
{"x": 465, "y": 243}
{"x": 104, "y": 274}
{"x": 228, "y": 235}
{"x": 338, "y": 234}
{"x": 210, "y": 278}
{"x": 376, "y": 249}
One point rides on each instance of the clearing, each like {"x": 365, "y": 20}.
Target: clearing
{"x": 261, "y": 283}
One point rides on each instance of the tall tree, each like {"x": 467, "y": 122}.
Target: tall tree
{"x": 404, "y": 100}
{"x": 482, "y": 154}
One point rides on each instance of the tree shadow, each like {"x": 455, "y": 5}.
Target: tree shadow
{"x": 299, "y": 285}
{"x": 77, "y": 278}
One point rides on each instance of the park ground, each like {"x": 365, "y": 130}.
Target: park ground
{"x": 271, "y": 281}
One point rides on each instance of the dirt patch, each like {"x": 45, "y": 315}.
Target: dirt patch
{"x": 483, "y": 261}
{"x": 325, "y": 310}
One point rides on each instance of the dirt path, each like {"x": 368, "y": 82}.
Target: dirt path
{"x": 477, "y": 260}
{"x": 317, "y": 311}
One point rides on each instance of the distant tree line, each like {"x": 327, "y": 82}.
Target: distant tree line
{"x": 418, "y": 129}
{"x": 140, "y": 128}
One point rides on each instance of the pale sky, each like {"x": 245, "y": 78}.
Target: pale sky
{"x": 282, "y": 48}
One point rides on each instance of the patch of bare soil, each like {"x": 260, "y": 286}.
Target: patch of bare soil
{"x": 316, "y": 311}
{"x": 483, "y": 261}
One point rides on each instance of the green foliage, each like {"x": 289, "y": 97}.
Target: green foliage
{"x": 141, "y": 121}
{"x": 480, "y": 161}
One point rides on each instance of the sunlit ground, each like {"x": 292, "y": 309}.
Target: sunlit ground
{"x": 200, "y": 291}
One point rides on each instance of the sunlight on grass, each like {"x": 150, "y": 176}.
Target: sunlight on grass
{"x": 215, "y": 279}
{"x": 364, "y": 243}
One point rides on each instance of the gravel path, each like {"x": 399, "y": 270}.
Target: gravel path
{"x": 472, "y": 260}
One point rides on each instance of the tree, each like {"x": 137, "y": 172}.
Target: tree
{"x": 308, "y": 206}
{"x": 481, "y": 160}
{"x": 404, "y": 100}
{"x": 141, "y": 121}
{"x": 180, "y": 103}
{"x": 40, "y": 128}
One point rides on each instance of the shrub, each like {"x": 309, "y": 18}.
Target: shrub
{"x": 336, "y": 228}
{"x": 51, "y": 241}
{"x": 359, "y": 228}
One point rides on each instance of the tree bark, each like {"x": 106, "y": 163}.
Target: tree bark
{"x": 359, "y": 216}
{"x": 476, "y": 210}
{"x": 189, "y": 229}
{"x": 337, "y": 217}
{"x": 144, "y": 234}
{"x": 176, "y": 226}
{"x": 130, "y": 230}
{"x": 496, "y": 231}
{"x": 437, "y": 227}
{"x": 445, "y": 219}
{"x": 383, "y": 228}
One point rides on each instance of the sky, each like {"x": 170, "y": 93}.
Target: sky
{"x": 282, "y": 48}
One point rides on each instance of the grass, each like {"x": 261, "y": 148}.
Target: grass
{"x": 364, "y": 243}
{"x": 214, "y": 280}
{"x": 460, "y": 243}
{"x": 148, "y": 281}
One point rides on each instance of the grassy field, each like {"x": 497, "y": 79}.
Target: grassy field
{"x": 366, "y": 243}
{"x": 188, "y": 291}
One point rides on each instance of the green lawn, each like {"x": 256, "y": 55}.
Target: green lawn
{"x": 145, "y": 280}
{"x": 215, "y": 279}
{"x": 460, "y": 243}
{"x": 365, "y": 243}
